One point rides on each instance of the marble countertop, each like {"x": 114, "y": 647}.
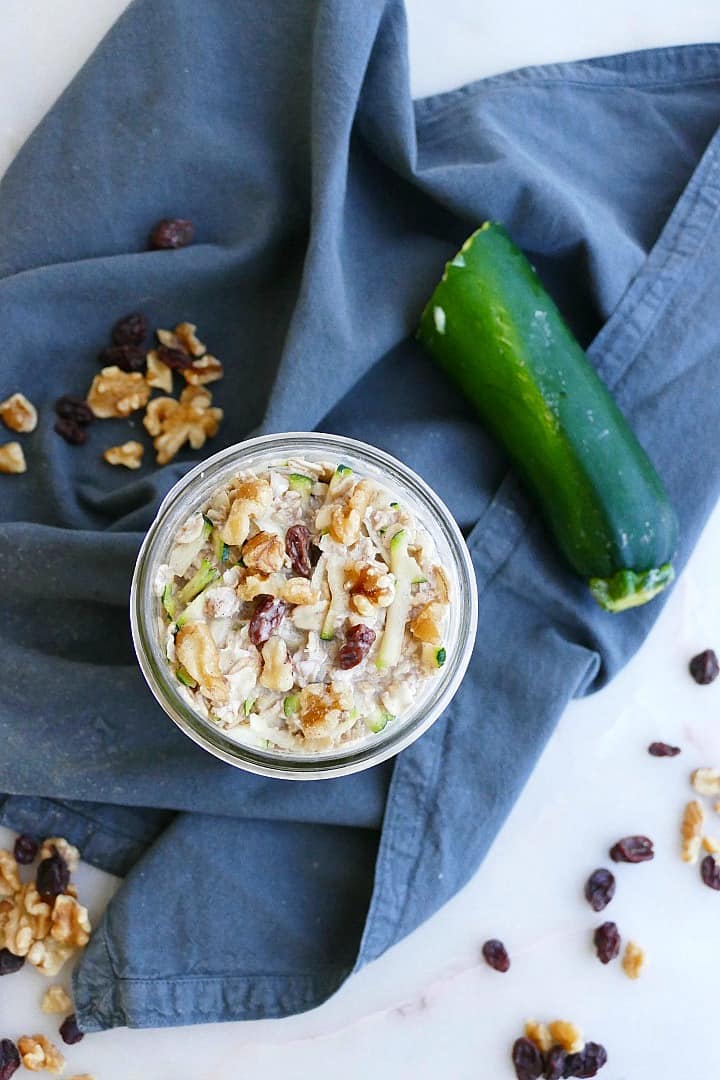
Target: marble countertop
{"x": 431, "y": 1007}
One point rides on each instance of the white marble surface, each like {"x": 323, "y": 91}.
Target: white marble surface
{"x": 429, "y": 1008}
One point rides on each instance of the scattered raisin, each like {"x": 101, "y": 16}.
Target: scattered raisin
{"x": 663, "y": 749}
{"x": 496, "y": 955}
{"x": 25, "y": 850}
{"x": 73, "y": 407}
{"x": 607, "y": 942}
{"x": 710, "y": 871}
{"x": 269, "y": 613}
{"x": 600, "y": 889}
{"x": 587, "y": 1063}
{"x": 176, "y": 359}
{"x": 9, "y": 962}
{"x": 126, "y": 357}
{"x": 358, "y": 642}
{"x": 9, "y": 1059}
{"x": 632, "y": 849}
{"x": 69, "y": 1030}
{"x": 71, "y": 432}
{"x": 704, "y": 667}
{"x": 53, "y": 877}
{"x": 527, "y": 1060}
{"x": 171, "y": 233}
{"x": 130, "y": 330}
{"x": 297, "y": 546}
{"x": 555, "y": 1063}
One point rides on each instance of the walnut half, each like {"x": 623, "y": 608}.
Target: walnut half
{"x": 173, "y": 423}
{"x": 39, "y": 1054}
{"x": 117, "y": 393}
{"x": 264, "y": 552}
{"x": 19, "y": 414}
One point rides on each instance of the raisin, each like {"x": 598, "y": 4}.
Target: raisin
{"x": 176, "y": 359}
{"x": 171, "y": 233}
{"x": 53, "y": 877}
{"x": 69, "y": 1030}
{"x": 358, "y": 642}
{"x": 663, "y": 749}
{"x": 297, "y": 546}
{"x": 9, "y": 962}
{"x": 527, "y": 1060}
{"x": 632, "y": 849}
{"x": 25, "y": 850}
{"x": 269, "y": 613}
{"x": 710, "y": 872}
{"x": 72, "y": 407}
{"x": 126, "y": 357}
{"x": 704, "y": 667}
{"x": 587, "y": 1063}
{"x": 315, "y": 553}
{"x": 607, "y": 942}
{"x": 130, "y": 330}
{"x": 71, "y": 432}
{"x": 555, "y": 1063}
{"x": 600, "y": 888}
{"x": 496, "y": 955}
{"x": 9, "y": 1059}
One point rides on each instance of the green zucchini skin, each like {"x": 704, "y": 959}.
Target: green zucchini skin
{"x": 496, "y": 332}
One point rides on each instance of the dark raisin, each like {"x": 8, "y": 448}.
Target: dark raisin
{"x": 171, "y": 233}
{"x": 53, "y": 877}
{"x": 315, "y": 553}
{"x": 555, "y": 1063}
{"x": 130, "y": 330}
{"x": 71, "y": 432}
{"x": 9, "y": 962}
{"x": 607, "y": 942}
{"x": 297, "y": 546}
{"x": 704, "y": 667}
{"x": 710, "y": 872}
{"x": 9, "y": 1059}
{"x": 587, "y": 1063}
{"x": 176, "y": 359}
{"x": 663, "y": 749}
{"x": 600, "y": 889}
{"x": 527, "y": 1060}
{"x": 25, "y": 850}
{"x": 73, "y": 407}
{"x": 358, "y": 642}
{"x": 632, "y": 849}
{"x": 496, "y": 955}
{"x": 126, "y": 357}
{"x": 69, "y": 1030}
{"x": 269, "y": 613}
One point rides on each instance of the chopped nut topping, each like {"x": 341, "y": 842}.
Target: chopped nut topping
{"x": 539, "y": 1034}
{"x": 706, "y": 781}
{"x": 251, "y": 498}
{"x": 371, "y": 586}
{"x": 633, "y": 960}
{"x": 12, "y": 458}
{"x": 297, "y": 590}
{"x": 322, "y": 708}
{"x": 691, "y": 831}
{"x": 38, "y": 1054}
{"x": 206, "y": 369}
{"x": 188, "y": 340}
{"x": 198, "y": 654}
{"x": 19, "y": 414}
{"x": 56, "y": 1000}
{"x": 567, "y": 1035}
{"x": 27, "y": 922}
{"x": 711, "y": 844}
{"x": 117, "y": 393}
{"x": 49, "y": 956}
{"x": 128, "y": 454}
{"x": 264, "y": 552}
{"x": 173, "y": 423}
{"x": 254, "y": 585}
{"x": 159, "y": 375}
{"x": 345, "y": 525}
{"x": 427, "y": 624}
{"x": 70, "y": 922}
{"x": 68, "y": 851}
{"x": 9, "y": 874}
{"x": 277, "y": 673}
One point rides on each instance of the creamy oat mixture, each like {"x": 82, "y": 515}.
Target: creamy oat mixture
{"x": 303, "y": 607}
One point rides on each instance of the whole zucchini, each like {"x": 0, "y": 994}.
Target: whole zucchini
{"x": 498, "y": 334}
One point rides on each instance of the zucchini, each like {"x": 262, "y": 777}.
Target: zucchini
{"x": 185, "y": 677}
{"x": 221, "y": 551}
{"x": 496, "y": 332}
{"x": 291, "y": 705}
{"x": 380, "y": 721}
{"x": 301, "y": 484}
{"x": 200, "y": 580}
{"x": 169, "y": 602}
{"x": 404, "y": 568}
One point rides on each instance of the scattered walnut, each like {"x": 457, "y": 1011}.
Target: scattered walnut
{"x": 173, "y": 423}
{"x": 188, "y": 340}
{"x": 691, "y": 831}
{"x": 27, "y": 922}
{"x": 371, "y": 586}
{"x": 277, "y": 673}
{"x": 345, "y": 525}
{"x": 12, "y": 458}
{"x": 539, "y": 1034}
{"x": 117, "y": 393}
{"x": 567, "y": 1035}
{"x": 9, "y": 874}
{"x": 711, "y": 844}
{"x": 297, "y": 590}
{"x": 251, "y": 498}
{"x": 323, "y": 708}
{"x": 206, "y": 369}
{"x": 39, "y": 1054}
{"x": 252, "y": 585}
{"x": 56, "y": 1000}
{"x": 128, "y": 454}
{"x": 427, "y": 624}
{"x": 264, "y": 552}
{"x": 706, "y": 781}
{"x": 49, "y": 956}
{"x": 158, "y": 375}
{"x": 70, "y": 922}
{"x": 19, "y": 414}
{"x": 68, "y": 851}
{"x": 633, "y": 960}
{"x": 198, "y": 654}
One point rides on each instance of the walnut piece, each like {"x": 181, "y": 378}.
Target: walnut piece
{"x": 264, "y": 552}
{"x": 128, "y": 454}
{"x": 442, "y": 584}
{"x": 9, "y": 874}
{"x": 206, "y": 369}
{"x": 27, "y": 922}
{"x": 70, "y": 922}
{"x": 706, "y": 781}
{"x": 12, "y": 458}
{"x": 188, "y": 340}
{"x": 117, "y": 393}
{"x": 19, "y": 414}
{"x": 711, "y": 844}
{"x": 251, "y": 498}
{"x": 633, "y": 960}
{"x": 277, "y": 673}
{"x": 567, "y": 1035}
{"x": 158, "y": 374}
{"x": 173, "y": 423}
{"x": 56, "y": 1000}
{"x": 38, "y": 1054}
{"x": 345, "y": 522}
{"x": 197, "y": 652}
{"x": 64, "y": 848}
{"x": 49, "y": 956}
{"x": 252, "y": 585}
{"x": 322, "y": 708}
{"x": 691, "y": 831}
{"x": 539, "y": 1034}
{"x": 297, "y": 590}
{"x": 427, "y": 624}
{"x": 371, "y": 586}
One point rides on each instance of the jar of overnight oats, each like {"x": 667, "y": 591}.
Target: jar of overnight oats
{"x": 303, "y": 605}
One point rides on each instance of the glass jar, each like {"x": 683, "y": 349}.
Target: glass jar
{"x": 192, "y": 492}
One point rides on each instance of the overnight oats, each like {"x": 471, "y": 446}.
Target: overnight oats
{"x": 303, "y": 606}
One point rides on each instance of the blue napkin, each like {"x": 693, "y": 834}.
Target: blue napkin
{"x": 325, "y": 202}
